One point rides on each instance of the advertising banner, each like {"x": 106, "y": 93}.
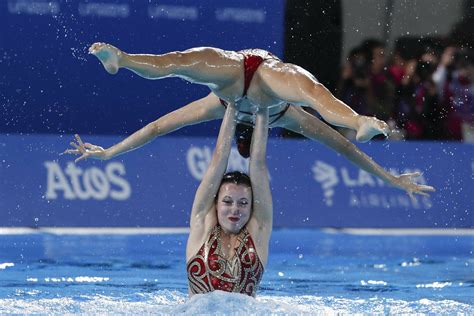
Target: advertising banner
{"x": 154, "y": 186}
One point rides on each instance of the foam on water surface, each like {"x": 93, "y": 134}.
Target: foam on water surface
{"x": 174, "y": 302}
{"x": 5, "y": 265}
{"x": 309, "y": 272}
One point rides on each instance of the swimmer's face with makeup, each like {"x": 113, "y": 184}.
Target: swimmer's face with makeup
{"x": 234, "y": 207}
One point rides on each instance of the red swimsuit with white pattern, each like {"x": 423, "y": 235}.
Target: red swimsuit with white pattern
{"x": 209, "y": 271}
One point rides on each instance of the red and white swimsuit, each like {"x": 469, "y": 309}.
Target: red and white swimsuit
{"x": 253, "y": 58}
{"x": 209, "y": 271}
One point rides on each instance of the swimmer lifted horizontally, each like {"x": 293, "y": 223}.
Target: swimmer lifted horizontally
{"x": 232, "y": 217}
{"x": 251, "y": 79}
{"x": 229, "y": 75}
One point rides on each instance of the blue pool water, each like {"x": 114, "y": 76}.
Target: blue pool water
{"x": 309, "y": 271}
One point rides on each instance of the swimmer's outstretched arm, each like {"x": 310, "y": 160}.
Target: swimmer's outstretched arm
{"x": 205, "y": 109}
{"x": 209, "y": 187}
{"x": 300, "y": 121}
{"x": 260, "y": 224}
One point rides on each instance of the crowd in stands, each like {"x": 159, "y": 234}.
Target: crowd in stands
{"x": 423, "y": 87}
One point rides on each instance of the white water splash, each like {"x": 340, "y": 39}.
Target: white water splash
{"x": 5, "y": 265}
{"x": 87, "y": 279}
{"x": 380, "y": 266}
{"x": 435, "y": 285}
{"x": 415, "y": 262}
{"x": 172, "y": 302}
{"x": 79, "y": 279}
{"x": 373, "y": 282}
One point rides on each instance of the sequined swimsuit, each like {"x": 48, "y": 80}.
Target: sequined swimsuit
{"x": 252, "y": 60}
{"x": 209, "y": 271}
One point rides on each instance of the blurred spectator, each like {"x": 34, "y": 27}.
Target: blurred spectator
{"x": 354, "y": 82}
{"x": 424, "y": 90}
{"x": 381, "y": 88}
{"x": 365, "y": 83}
{"x": 418, "y": 108}
{"x": 454, "y": 81}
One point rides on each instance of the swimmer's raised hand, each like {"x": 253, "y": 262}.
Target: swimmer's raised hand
{"x": 86, "y": 150}
{"x": 405, "y": 182}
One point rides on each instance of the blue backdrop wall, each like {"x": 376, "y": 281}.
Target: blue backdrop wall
{"x": 154, "y": 186}
{"x": 49, "y": 83}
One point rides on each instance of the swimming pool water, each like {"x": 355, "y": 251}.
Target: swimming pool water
{"x": 309, "y": 271}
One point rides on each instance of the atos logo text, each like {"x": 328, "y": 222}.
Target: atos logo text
{"x": 91, "y": 183}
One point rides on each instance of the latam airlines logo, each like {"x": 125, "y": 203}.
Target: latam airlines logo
{"x": 331, "y": 177}
{"x": 74, "y": 182}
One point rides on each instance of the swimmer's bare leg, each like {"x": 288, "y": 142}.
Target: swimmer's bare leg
{"x": 300, "y": 121}
{"x": 205, "y": 109}
{"x": 295, "y": 85}
{"x": 205, "y": 65}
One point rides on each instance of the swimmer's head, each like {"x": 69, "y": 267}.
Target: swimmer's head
{"x": 234, "y": 202}
{"x": 243, "y": 138}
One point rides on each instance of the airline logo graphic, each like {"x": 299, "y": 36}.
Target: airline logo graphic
{"x": 84, "y": 184}
{"x": 327, "y": 176}
{"x": 361, "y": 189}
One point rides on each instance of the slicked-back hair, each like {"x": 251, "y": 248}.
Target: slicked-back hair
{"x": 237, "y": 178}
